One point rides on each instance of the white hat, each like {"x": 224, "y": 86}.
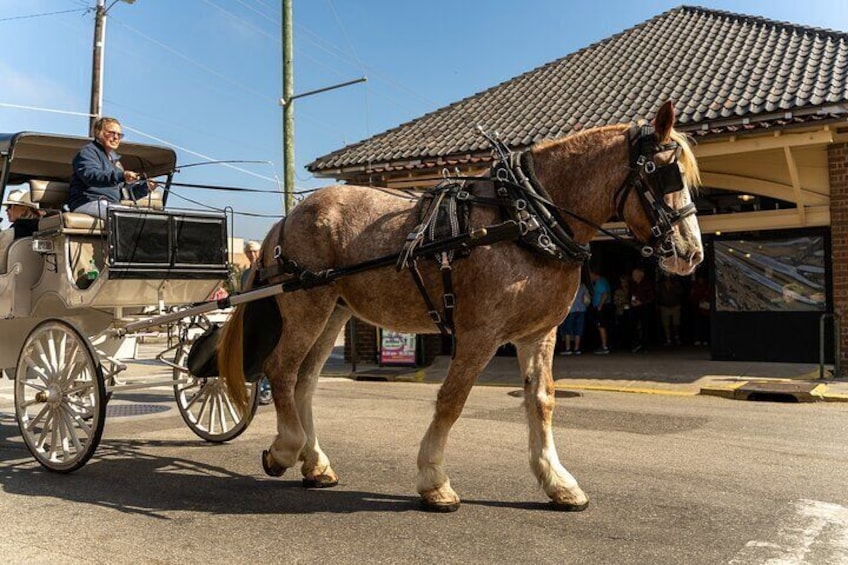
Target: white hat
{"x": 252, "y": 245}
{"x": 19, "y": 198}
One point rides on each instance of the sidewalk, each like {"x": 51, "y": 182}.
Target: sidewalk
{"x": 683, "y": 371}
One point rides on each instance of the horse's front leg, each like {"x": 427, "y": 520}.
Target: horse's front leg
{"x": 471, "y": 358}
{"x": 535, "y": 355}
{"x": 316, "y": 469}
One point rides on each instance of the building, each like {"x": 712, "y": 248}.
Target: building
{"x": 767, "y": 103}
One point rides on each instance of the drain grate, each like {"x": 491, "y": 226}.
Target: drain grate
{"x": 123, "y": 410}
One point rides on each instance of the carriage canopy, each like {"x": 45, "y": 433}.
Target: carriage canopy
{"x": 30, "y": 155}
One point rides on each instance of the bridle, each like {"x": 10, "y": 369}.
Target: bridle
{"x": 651, "y": 184}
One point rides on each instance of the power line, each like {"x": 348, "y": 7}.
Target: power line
{"x": 42, "y": 15}
{"x": 196, "y": 63}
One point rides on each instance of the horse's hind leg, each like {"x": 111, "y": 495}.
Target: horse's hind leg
{"x": 535, "y": 355}
{"x": 316, "y": 469}
{"x": 305, "y": 315}
{"x": 471, "y": 358}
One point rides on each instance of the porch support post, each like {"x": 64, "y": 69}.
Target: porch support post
{"x": 837, "y": 157}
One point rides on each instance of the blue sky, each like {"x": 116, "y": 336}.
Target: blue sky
{"x": 205, "y": 75}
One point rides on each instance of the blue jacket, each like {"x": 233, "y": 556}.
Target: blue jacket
{"x": 97, "y": 176}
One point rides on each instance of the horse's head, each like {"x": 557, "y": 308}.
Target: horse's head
{"x": 656, "y": 198}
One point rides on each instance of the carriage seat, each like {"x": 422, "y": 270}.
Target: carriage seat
{"x": 54, "y": 194}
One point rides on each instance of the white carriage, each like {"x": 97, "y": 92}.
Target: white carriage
{"x": 71, "y": 293}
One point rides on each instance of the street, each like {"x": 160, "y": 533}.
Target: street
{"x": 671, "y": 479}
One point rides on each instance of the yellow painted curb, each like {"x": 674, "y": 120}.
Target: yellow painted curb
{"x": 636, "y": 390}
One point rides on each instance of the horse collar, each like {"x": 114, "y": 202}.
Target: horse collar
{"x": 525, "y": 200}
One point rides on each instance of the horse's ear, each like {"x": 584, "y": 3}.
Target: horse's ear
{"x": 664, "y": 121}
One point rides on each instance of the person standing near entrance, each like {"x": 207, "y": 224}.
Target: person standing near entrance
{"x": 699, "y": 300}
{"x": 574, "y": 324}
{"x": 641, "y": 308}
{"x": 670, "y": 298}
{"x": 603, "y": 309}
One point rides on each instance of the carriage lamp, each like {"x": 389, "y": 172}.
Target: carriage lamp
{"x": 42, "y": 245}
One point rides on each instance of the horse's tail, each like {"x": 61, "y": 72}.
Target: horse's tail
{"x": 230, "y": 350}
{"x": 231, "y": 358}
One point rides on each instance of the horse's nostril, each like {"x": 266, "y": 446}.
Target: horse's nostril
{"x": 697, "y": 257}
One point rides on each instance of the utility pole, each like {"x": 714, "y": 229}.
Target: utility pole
{"x": 288, "y": 108}
{"x": 96, "y": 107}
{"x": 287, "y": 103}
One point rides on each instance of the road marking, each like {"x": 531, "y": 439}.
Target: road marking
{"x": 815, "y": 532}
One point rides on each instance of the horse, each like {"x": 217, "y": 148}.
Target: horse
{"x": 504, "y": 292}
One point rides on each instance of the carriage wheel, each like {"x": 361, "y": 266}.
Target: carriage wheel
{"x": 60, "y": 398}
{"x": 206, "y": 407}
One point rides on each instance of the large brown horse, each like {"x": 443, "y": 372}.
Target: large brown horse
{"x": 504, "y": 293}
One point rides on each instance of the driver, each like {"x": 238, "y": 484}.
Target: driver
{"x": 99, "y": 178}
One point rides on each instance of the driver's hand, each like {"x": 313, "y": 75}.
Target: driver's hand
{"x": 130, "y": 176}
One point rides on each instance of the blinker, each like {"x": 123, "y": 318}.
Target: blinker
{"x": 667, "y": 179}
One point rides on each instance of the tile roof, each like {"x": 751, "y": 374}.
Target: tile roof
{"x": 723, "y": 70}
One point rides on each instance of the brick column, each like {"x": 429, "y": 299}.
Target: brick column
{"x": 837, "y": 158}
{"x": 366, "y": 342}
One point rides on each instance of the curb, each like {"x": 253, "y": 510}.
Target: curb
{"x": 560, "y": 385}
{"x": 775, "y": 390}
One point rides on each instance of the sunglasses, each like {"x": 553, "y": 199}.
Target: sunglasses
{"x": 117, "y": 134}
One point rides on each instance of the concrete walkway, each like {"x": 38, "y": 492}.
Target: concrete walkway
{"x": 682, "y": 371}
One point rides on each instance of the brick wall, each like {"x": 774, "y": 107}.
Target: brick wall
{"x": 837, "y": 156}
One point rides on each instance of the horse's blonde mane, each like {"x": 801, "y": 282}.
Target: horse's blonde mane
{"x": 687, "y": 160}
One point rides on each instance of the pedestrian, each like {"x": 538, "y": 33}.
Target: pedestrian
{"x": 572, "y": 328}
{"x": 641, "y": 308}
{"x": 699, "y": 300}
{"x": 670, "y": 299}
{"x": 621, "y": 300}
{"x": 602, "y": 308}
{"x": 251, "y": 252}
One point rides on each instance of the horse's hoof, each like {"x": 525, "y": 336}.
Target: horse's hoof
{"x": 321, "y": 481}
{"x": 428, "y": 506}
{"x": 271, "y": 467}
{"x": 565, "y": 507}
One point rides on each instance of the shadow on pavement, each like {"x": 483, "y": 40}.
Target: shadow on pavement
{"x": 125, "y": 478}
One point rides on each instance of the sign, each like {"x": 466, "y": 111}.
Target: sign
{"x": 397, "y": 348}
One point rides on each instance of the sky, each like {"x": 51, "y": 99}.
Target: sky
{"x": 205, "y": 76}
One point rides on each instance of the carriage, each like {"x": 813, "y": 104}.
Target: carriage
{"x": 71, "y": 294}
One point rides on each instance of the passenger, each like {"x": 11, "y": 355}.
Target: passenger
{"x": 23, "y": 216}
{"x": 98, "y": 179}
{"x": 23, "y": 213}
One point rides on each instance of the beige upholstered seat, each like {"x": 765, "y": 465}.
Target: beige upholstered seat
{"x": 54, "y": 194}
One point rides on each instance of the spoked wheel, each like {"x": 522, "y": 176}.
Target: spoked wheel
{"x": 206, "y": 407}
{"x": 60, "y": 399}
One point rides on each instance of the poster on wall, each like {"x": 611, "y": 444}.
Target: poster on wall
{"x": 397, "y": 348}
{"x": 771, "y": 275}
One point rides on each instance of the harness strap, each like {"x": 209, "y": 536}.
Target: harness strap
{"x": 431, "y": 307}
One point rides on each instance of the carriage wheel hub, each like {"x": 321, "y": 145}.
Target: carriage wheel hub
{"x": 52, "y": 395}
